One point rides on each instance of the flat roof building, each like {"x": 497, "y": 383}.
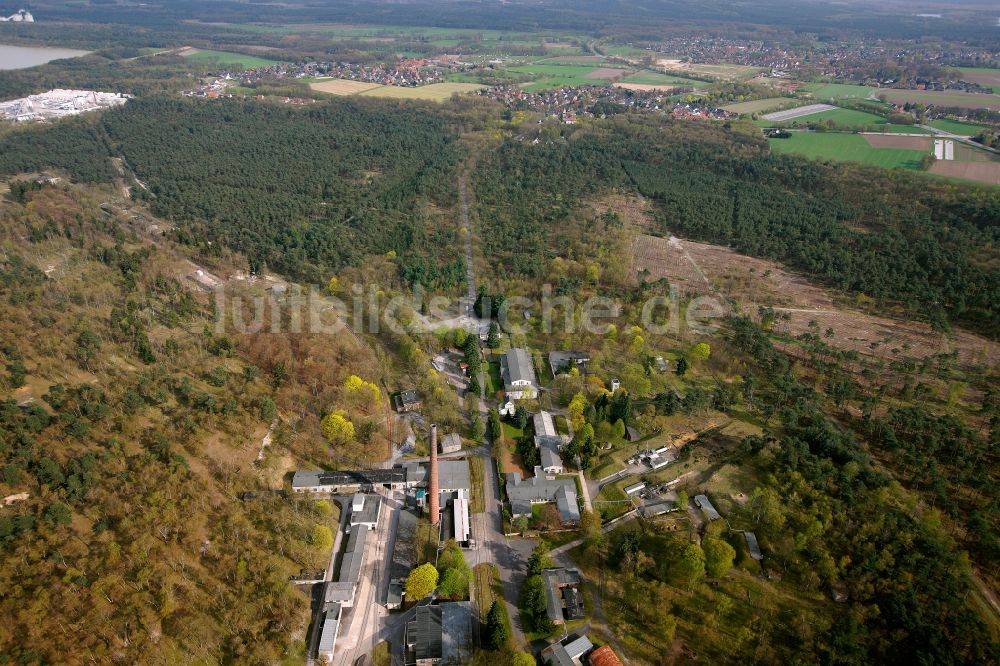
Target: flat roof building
{"x": 365, "y": 510}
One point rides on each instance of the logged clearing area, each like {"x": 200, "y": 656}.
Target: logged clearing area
{"x": 700, "y": 268}
{"x": 644, "y": 87}
{"x": 436, "y": 92}
{"x": 343, "y": 86}
{"x": 605, "y": 73}
{"x": 983, "y": 172}
{"x": 716, "y": 71}
{"x": 758, "y": 105}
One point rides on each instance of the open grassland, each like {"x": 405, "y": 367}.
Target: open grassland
{"x": 824, "y": 91}
{"x": 841, "y": 118}
{"x": 847, "y": 148}
{"x": 984, "y": 76}
{"x": 943, "y": 98}
{"x": 342, "y": 86}
{"x": 956, "y": 127}
{"x": 226, "y": 59}
{"x": 760, "y": 105}
{"x": 436, "y": 92}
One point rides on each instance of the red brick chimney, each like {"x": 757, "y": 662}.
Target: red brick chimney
{"x": 433, "y": 488}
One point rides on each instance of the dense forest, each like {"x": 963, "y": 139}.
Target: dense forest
{"x": 302, "y": 191}
{"x": 896, "y": 237}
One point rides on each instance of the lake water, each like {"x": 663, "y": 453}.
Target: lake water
{"x": 19, "y": 57}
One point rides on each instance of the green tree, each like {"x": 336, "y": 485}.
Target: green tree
{"x": 681, "y": 368}
{"x": 700, "y": 352}
{"x": 689, "y": 567}
{"x": 497, "y": 634}
{"x": 493, "y": 340}
{"x": 540, "y": 559}
{"x": 421, "y": 582}
{"x": 719, "y": 557}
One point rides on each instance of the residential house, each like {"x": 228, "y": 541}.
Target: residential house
{"x": 548, "y": 442}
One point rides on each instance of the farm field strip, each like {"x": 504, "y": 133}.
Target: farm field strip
{"x": 847, "y": 148}
{"x": 758, "y": 105}
{"x": 342, "y": 86}
{"x": 943, "y": 98}
{"x": 832, "y": 90}
{"x": 799, "y": 112}
{"x": 224, "y": 58}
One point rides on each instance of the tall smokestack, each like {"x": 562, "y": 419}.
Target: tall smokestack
{"x": 433, "y": 489}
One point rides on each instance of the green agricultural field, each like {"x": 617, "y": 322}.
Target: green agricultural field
{"x": 618, "y": 50}
{"x": 555, "y": 76}
{"x": 847, "y": 118}
{"x": 226, "y": 59}
{"x": 822, "y": 91}
{"x": 846, "y": 148}
{"x": 436, "y": 92}
{"x": 956, "y": 127}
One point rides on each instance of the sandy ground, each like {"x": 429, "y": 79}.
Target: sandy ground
{"x": 343, "y": 86}
{"x": 983, "y": 172}
{"x": 701, "y": 268}
{"x": 644, "y": 87}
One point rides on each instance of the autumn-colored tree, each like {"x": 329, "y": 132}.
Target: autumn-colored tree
{"x": 337, "y": 427}
{"x": 421, "y": 582}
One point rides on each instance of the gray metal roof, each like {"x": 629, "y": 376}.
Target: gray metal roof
{"x": 548, "y": 454}
{"x": 516, "y": 366}
{"x": 544, "y": 425}
{"x": 454, "y": 475}
{"x": 331, "y": 626}
{"x": 563, "y": 361}
{"x": 520, "y": 508}
{"x": 569, "y": 509}
{"x": 424, "y": 632}
{"x": 456, "y": 640}
{"x": 350, "y": 566}
{"x": 753, "y": 546}
{"x": 706, "y": 506}
{"x": 579, "y": 647}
